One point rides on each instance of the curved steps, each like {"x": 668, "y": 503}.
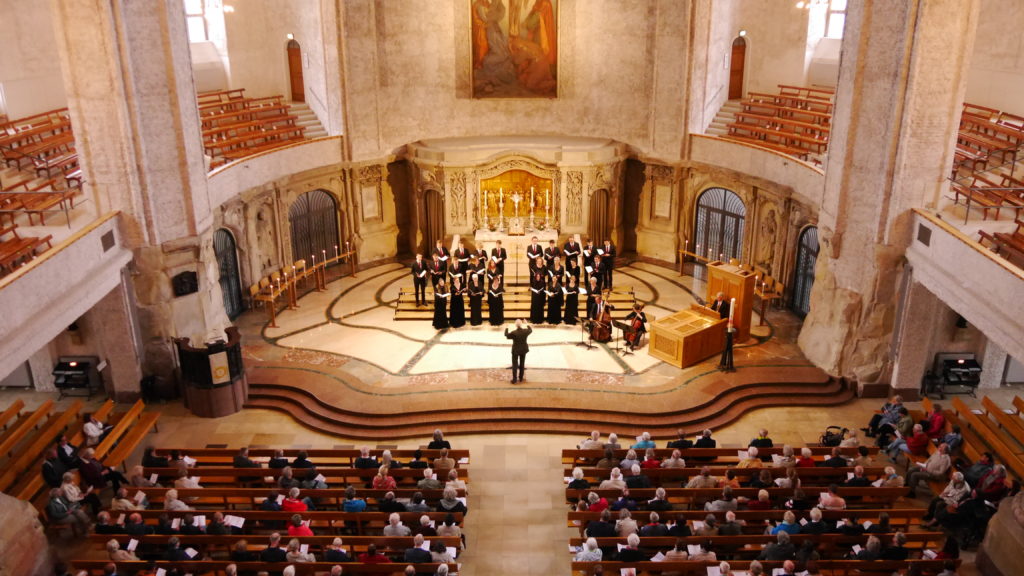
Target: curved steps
{"x": 722, "y": 409}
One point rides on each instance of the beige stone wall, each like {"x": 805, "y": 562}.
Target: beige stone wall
{"x": 30, "y": 74}
{"x": 777, "y": 50}
{"x": 406, "y": 75}
{"x": 23, "y": 546}
{"x": 996, "y": 75}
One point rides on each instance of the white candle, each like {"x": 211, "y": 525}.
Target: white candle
{"x": 709, "y": 253}
{"x": 324, "y": 254}
{"x": 314, "y": 260}
{"x": 293, "y": 270}
{"x": 547, "y": 197}
{"x": 335, "y": 251}
{"x": 721, "y": 256}
{"x": 346, "y": 245}
{"x": 732, "y": 308}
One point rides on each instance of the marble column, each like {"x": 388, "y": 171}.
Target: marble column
{"x": 131, "y": 96}
{"x": 901, "y": 86}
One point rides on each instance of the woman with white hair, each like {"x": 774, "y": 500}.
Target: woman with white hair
{"x": 630, "y": 459}
{"x": 116, "y": 554}
{"x": 891, "y": 479}
{"x": 173, "y": 504}
{"x": 442, "y": 570}
{"x": 787, "y": 460}
{"x": 674, "y": 461}
{"x": 724, "y": 569}
{"x": 438, "y": 442}
{"x": 806, "y": 459}
{"x": 951, "y": 495}
{"x": 455, "y": 482}
{"x": 578, "y": 482}
{"x": 138, "y": 479}
{"x": 644, "y": 442}
{"x": 450, "y": 502}
{"x": 395, "y": 526}
{"x": 751, "y": 461}
{"x": 589, "y": 552}
{"x": 614, "y": 481}
{"x": 613, "y": 442}
{"x": 631, "y": 553}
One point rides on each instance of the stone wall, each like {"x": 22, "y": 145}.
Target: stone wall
{"x": 24, "y": 550}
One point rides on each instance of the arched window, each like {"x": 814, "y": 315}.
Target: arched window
{"x": 803, "y": 281}
{"x": 227, "y": 261}
{"x": 314, "y": 225}
{"x": 719, "y": 226}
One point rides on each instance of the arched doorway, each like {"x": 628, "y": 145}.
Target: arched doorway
{"x": 433, "y": 219}
{"x": 598, "y": 225}
{"x": 314, "y": 225}
{"x": 803, "y": 275}
{"x": 227, "y": 261}
{"x": 719, "y": 226}
{"x": 295, "y": 72}
{"x": 736, "y": 64}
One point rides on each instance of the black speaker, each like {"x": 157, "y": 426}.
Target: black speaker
{"x": 961, "y": 322}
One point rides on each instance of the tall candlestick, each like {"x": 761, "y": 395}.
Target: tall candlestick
{"x": 547, "y": 198}
{"x": 732, "y": 308}
{"x": 346, "y": 245}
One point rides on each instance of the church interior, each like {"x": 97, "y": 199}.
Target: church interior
{"x": 801, "y": 213}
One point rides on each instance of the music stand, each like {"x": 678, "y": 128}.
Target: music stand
{"x": 623, "y": 328}
{"x": 586, "y": 342}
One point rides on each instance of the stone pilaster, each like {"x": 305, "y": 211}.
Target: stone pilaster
{"x": 901, "y": 85}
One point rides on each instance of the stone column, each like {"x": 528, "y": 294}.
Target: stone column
{"x": 901, "y": 86}
{"x": 993, "y": 366}
{"x": 115, "y": 326}
{"x": 914, "y": 353}
{"x": 128, "y": 76}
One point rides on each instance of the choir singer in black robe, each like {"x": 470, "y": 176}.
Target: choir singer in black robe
{"x": 440, "y": 306}
{"x": 476, "y": 298}
{"x": 538, "y": 284}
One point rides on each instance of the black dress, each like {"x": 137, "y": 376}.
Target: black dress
{"x": 572, "y": 305}
{"x": 496, "y": 305}
{"x": 458, "y": 308}
{"x": 555, "y": 299}
{"x": 537, "y": 297}
{"x": 476, "y": 298}
{"x": 440, "y": 311}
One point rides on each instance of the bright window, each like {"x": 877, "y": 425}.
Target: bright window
{"x": 835, "y": 19}
{"x": 195, "y": 19}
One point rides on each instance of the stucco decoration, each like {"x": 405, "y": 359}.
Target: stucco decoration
{"x": 369, "y": 181}
{"x": 767, "y": 236}
{"x": 457, "y": 186}
{"x": 574, "y": 191}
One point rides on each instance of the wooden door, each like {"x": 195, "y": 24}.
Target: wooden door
{"x": 295, "y": 71}
{"x": 739, "y": 55}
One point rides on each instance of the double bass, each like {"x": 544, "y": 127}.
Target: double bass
{"x": 601, "y": 327}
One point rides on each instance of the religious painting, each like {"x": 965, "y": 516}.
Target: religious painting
{"x": 514, "y": 48}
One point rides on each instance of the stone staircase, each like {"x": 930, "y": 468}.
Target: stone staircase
{"x": 308, "y": 119}
{"x": 726, "y": 114}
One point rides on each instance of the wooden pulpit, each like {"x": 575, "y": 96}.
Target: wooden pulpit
{"x": 734, "y": 282}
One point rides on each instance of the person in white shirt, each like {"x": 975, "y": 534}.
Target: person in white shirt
{"x": 94, "y": 430}
{"x": 395, "y": 526}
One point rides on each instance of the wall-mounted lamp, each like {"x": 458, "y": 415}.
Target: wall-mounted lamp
{"x": 743, "y": 32}
{"x": 290, "y": 36}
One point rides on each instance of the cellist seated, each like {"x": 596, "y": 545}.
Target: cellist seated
{"x": 637, "y": 321}
{"x": 601, "y": 319}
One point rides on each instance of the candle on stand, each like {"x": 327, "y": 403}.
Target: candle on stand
{"x": 732, "y": 308}
{"x": 324, "y": 254}
{"x": 346, "y": 245}
{"x": 686, "y": 246}
{"x": 547, "y": 198}
{"x": 314, "y": 260}
{"x": 721, "y": 256}
{"x": 336, "y": 252}
{"x": 709, "y": 254}
{"x": 294, "y": 274}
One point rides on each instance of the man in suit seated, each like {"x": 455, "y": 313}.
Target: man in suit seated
{"x": 705, "y": 440}
{"x": 681, "y": 442}
{"x": 278, "y": 461}
{"x": 654, "y": 528}
{"x": 241, "y": 460}
{"x": 836, "y": 460}
{"x": 416, "y": 554}
{"x": 637, "y": 479}
{"x": 429, "y": 482}
{"x": 273, "y": 552}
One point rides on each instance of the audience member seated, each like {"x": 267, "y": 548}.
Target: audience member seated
{"x": 273, "y": 552}
{"x": 390, "y": 504}
{"x": 424, "y": 528}
{"x": 185, "y": 480}
{"x": 762, "y": 440}
{"x": 705, "y": 440}
{"x": 858, "y": 479}
{"x": 762, "y": 480}
{"x": 650, "y": 460}
{"x": 138, "y": 479}
{"x": 872, "y": 550}
{"x": 788, "y": 524}
{"x": 950, "y": 497}
{"x": 678, "y": 553}
{"x": 934, "y": 469}
{"x": 241, "y": 553}
{"x": 450, "y": 502}
{"x": 631, "y": 552}
{"x": 706, "y": 553}
{"x": 296, "y": 527}
{"x": 121, "y": 503}
{"x": 59, "y": 510}
{"x": 674, "y": 461}
{"x": 135, "y": 526}
{"x": 78, "y": 497}
{"x": 806, "y": 459}
{"x": 655, "y": 527}
{"x": 681, "y": 442}
{"x": 751, "y": 461}
{"x": 294, "y": 502}
{"x": 438, "y": 442}
{"x": 97, "y": 475}
{"x": 644, "y": 442}
{"x": 94, "y": 430}
{"x": 443, "y": 461}
{"x": 626, "y": 464}
{"x": 625, "y": 525}
{"x": 781, "y": 549}
{"x": 418, "y": 504}
{"x": 613, "y": 442}
{"x": 703, "y": 480}
{"x": 729, "y": 480}
{"x": 417, "y": 462}
{"x": 351, "y": 503}
{"x": 934, "y": 423}
{"x": 602, "y": 527}
{"x": 787, "y": 460}
{"x": 831, "y": 500}
{"x": 709, "y": 528}
{"x": 335, "y": 553}
{"x": 371, "y": 556}
{"x": 887, "y": 416}
{"x": 395, "y": 526}
{"x": 364, "y": 460}
{"x": 416, "y": 554}
{"x": 836, "y": 460}
{"x": 916, "y": 444}
{"x": 763, "y": 501}
{"x": 799, "y": 501}
{"x": 429, "y": 482}
{"x": 116, "y": 554}
{"x": 723, "y": 503}
{"x": 815, "y": 524}
{"x": 578, "y": 482}
{"x": 593, "y": 442}
{"x": 439, "y": 553}
{"x": 863, "y": 457}
{"x": 589, "y": 552}
{"x": 891, "y": 479}
{"x": 637, "y": 479}
{"x": 609, "y": 460}
{"x": 898, "y": 550}
{"x": 295, "y": 554}
{"x": 850, "y": 439}
{"x": 383, "y": 481}
{"x": 53, "y": 469}
{"x": 455, "y": 483}
{"x": 172, "y": 503}
{"x": 449, "y": 528}
{"x": 660, "y": 501}
{"x": 174, "y": 553}
{"x": 614, "y": 482}
{"x": 104, "y": 526}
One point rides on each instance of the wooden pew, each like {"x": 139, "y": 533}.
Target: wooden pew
{"x": 750, "y": 545}
{"x": 95, "y": 567}
{"x": 320, "y": 456}
{"x": 21, "y": 461}
{"x": 229, "y": 475}
{"x": 11, "y": 413}
{"x": 1003, "y": 452}
{"x": 21, "y": 428}
{"x": 898, "y": 517}
{"x": 719, "y": 456}
{"x": 232, "y": 498}
{"x": 690, "y": 568}
{"x": 1012, "y": 425}
{"x": 698, "y": 496}
{"x": 811, "y": 476}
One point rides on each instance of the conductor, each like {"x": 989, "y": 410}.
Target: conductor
{"x": 519, "y": 347}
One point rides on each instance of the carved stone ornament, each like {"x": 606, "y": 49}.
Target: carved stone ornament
{"x": 574, "y": 191}
{"x": 369, "y": 174}
{"x": 457, "y": 185}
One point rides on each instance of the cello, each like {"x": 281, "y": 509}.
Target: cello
{"x": 601, "y": 327}
{"x": 637, "y": 319}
